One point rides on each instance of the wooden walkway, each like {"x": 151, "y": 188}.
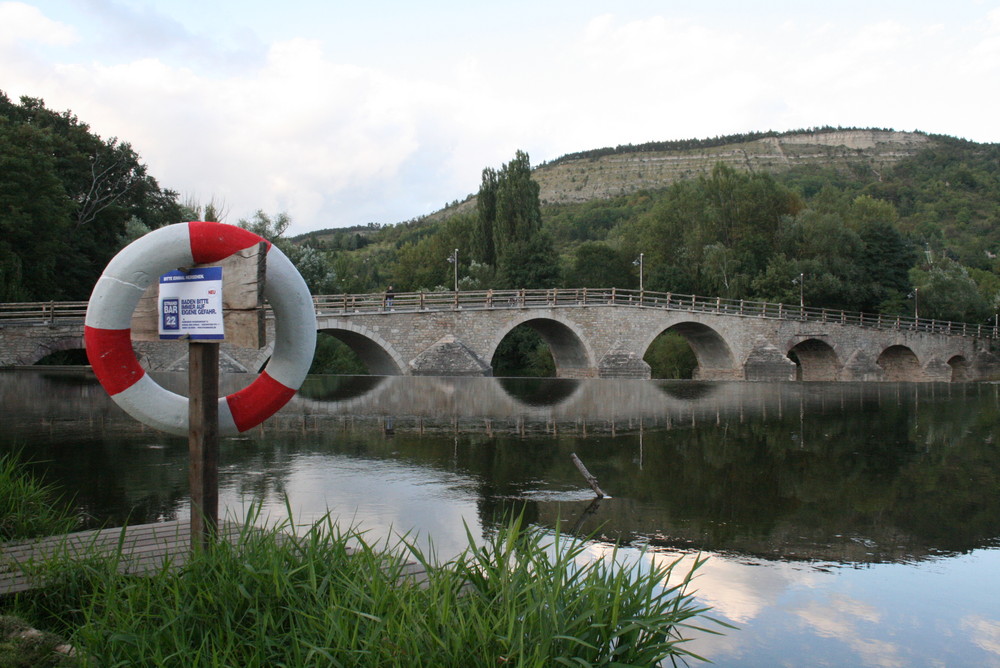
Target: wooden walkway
{"x": 142, "y": 548}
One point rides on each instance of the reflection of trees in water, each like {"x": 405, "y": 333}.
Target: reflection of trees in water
{"x": 688, "y": 390}
{"x": 857, "y": 485}
{"x": 854, "y": 473}
{"x": 539, "y": 391}
{"x": 338, "y": 388}
{"x": 886, "y": 476}
{"x": 145, "y": 481}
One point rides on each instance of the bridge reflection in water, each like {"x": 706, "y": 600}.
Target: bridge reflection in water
{"x": 784, "y": 484}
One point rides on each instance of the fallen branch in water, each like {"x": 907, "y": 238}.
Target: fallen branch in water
{"x": 591, "y": 480}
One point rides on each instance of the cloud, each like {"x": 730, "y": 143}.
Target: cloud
{"x": 21, "y": 23}
{"x": 299, "y": 133}
{"x": 235, "y": 113}
{"x": 985, "y": 632}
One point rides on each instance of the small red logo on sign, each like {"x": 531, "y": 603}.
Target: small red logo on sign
{"x": 211, "y": 292}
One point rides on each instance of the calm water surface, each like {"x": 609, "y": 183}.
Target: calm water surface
{"x": 847, "y": 524}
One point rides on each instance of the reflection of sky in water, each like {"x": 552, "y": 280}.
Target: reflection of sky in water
{"x": 382, "y": 497}
{"x": 792, "y": 614}
{"x": 884, "y": 615}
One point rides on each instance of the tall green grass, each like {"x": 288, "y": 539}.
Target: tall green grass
{"x": 330, "y": 598}
{"x": 28, "y": 507}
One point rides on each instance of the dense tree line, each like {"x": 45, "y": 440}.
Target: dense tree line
{"x": 66, "y": 197}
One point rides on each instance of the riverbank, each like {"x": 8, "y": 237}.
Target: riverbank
{"x": 330, "y": 596}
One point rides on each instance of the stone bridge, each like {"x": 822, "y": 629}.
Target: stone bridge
{"x": 591, "y": 333}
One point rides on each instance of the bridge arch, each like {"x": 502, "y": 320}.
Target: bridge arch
{"x": 46, "y": 347}
{"x": 715, "y": 356}
{"x": 900, "y": 364}
{"x": 961, "y": 370}
{"x": 375, "y": 352}
{"x": 572, "y": 356}
{"x": 815, "y": 360}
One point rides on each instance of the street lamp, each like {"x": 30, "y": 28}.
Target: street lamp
{"x": 915, "y": 296}
{"x": 801, "y": 281}
{"x": 638, "y": 263}
{"x": 453, "y": 258}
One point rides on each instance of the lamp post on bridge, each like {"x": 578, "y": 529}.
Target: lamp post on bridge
{"x": 915, "y": 296}
{"x": 453, "y": 259}
{"x": 801, "y": 281}
{"x": 638, "y": 262}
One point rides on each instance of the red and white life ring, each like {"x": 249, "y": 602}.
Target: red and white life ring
{"x": 108, "y": 336}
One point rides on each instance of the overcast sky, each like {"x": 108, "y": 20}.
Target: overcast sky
{"x": 344, "y": 113}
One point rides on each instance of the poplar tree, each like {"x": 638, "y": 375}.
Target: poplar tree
{"x": 483, "y": 248}
{"x": 509, "y": 210}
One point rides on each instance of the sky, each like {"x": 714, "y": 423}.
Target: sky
{"x": 347, "y": 113}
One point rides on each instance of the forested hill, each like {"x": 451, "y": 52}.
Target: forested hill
{"x": 860, "y": 219}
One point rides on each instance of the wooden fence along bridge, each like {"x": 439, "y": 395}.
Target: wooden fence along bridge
{"x": 591, "y": 333}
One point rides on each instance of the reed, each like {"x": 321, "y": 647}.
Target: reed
{"x": 332, "y": 598}
{"x": 28, "y": 507}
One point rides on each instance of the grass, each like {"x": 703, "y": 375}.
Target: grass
{"x": 29, "y": 508}
{"x": 330, "y": 598}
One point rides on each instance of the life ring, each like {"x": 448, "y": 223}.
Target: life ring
{"x": 108, "y": 335}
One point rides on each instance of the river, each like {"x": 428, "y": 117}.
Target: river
{"x": 845, "y": 523}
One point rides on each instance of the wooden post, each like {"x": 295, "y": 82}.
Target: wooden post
{"x": 203, "y": 441}
{"x": 591, "y": 480}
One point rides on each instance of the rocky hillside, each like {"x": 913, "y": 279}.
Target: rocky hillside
{"x": 605, "y": 173}
{"x": 584, "y": 178}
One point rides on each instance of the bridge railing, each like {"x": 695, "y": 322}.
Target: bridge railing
{"x": 558, "y": 297}
{"x": 41, "y": 312}
{"x": 347, "y": 304}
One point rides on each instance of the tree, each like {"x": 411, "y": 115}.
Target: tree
{"x": 483, "y": 247}
{"x": 946, "y": 292}
{"x": 518, "y": 208}
{"x": 529, "y": 264}
{"x": 312, "y": 264}
{"x": 35, "y": 212}
{"x": 598, "y": 265}
{"x": 66, "y": 196}
{"x": 508, "y": 208}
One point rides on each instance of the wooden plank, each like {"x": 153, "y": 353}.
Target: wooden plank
{"x": 144, "y": 548}
{"x": 243, "y": 314}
